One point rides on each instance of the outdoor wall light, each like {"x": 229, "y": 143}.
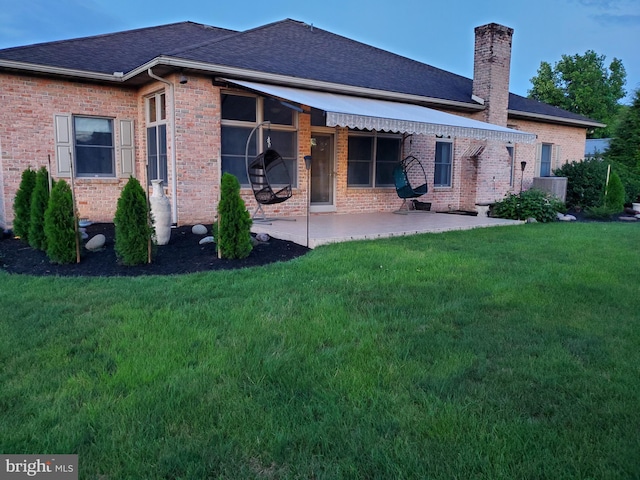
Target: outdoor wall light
{"x": 523, "y": 165}
{"x": 183, "y": 79}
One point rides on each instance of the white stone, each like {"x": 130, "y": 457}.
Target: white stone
{"x": 208, "y": 239}
{"x": 531, "y": 220}
{"x": 560, "y": 216}
{"x": 199, "y": 230}
{"x": 638, "y": 216}
{"x": 628, "y": 219}
{"x": 96, "y": 243}
{"x": 263, "y": 237}
{"x": 571, "y": 218}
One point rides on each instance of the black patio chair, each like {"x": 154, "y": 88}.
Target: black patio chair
{"x": 410, "y": 180}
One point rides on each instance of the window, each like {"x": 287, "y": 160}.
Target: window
{"x": 93, "y": 143}
{"x": 157, "y": 138}
{"x": 545, "y": 160}
{"x": 240, "y": 115}
{"x": 512, "y": 157}
{"x": 444, "y": 156}
{"x": 372, "y": 158}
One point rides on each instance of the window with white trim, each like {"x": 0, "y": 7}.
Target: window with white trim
{"x": 443, "y": 164}
{"x": 93, "y": 146}
{"x": 545, "y": 159}
{"x": 372, "y": 157}
{"x": 512, "y": 163}
{"x": 156, "y": 113}
{"x": 240, "y": 115}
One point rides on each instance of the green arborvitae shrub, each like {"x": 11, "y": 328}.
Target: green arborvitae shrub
{"x": 585, "y": 181}
{"x": 234, "y": 234}
{"x": 131, "y": 221}
{"x": 614, "y": 198}
{"x": 22, "y": 205}
{"x": 532, "y": 203}
{"x": 39, "y": 203}
{"x": 59, "y": 225}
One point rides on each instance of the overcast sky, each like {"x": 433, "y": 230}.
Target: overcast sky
{"x": 439, "y": 33}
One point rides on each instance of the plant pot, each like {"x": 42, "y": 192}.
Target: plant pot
{"x": 161, "y": 213}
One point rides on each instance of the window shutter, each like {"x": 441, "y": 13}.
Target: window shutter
{"x": 127, "y": 149}
{"x": 556, "y": 157}
{"x": 536, "y": 171}
{"x": 64, "y": 144}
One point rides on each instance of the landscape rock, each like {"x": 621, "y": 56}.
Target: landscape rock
{"x": 199, "y": 230}
{"x": 96, "y": 243}
{"x": 638, "y": 216}
{"x": 531, "y": 220}
{"x": 628, "y": 219}
{"x": 571, "y": 218}
{"x": 560, "y": 216}
{"x": 205, "y": 240}
{"x": 263, "y": 237}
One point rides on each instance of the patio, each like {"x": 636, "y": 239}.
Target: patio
{"x": 334, "y": 228}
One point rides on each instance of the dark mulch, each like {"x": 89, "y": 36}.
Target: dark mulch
{"x": 183, "y": 254}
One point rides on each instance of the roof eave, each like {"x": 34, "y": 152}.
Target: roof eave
{"x": 572, "y": 122}
{"x": 61, "y": 71}
{"x": 297, "y": 82}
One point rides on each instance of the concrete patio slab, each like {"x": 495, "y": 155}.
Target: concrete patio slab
{"x": 333, "y": 228}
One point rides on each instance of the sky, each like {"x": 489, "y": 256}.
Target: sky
{"x": 439, "y": 33}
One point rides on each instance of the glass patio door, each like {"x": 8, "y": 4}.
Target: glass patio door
{"x": 322, "y": 173}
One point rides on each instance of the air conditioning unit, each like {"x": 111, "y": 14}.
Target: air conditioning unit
{"x": 554, "y": 185}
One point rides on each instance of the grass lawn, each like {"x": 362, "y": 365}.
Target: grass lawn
{"x": 500, "y": 353}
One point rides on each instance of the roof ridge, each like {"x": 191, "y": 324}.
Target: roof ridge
{"x": 233, "y": 34}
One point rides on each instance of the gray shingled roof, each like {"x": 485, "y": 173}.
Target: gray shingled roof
{"x": 290, "y": 48}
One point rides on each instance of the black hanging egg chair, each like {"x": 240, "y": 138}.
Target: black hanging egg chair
{"x": 410, "y": 180}
{"x": 269, "y": 178}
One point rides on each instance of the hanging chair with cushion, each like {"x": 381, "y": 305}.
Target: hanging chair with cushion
{"x": 410, "y": 179}
{"x": 267, "y": 170}
{"x": 269, "y": 177}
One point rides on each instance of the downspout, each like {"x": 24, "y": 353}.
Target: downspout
{"x": 174, "y": 173}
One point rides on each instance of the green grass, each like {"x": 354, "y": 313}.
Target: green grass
{"x": 498, "y": 353}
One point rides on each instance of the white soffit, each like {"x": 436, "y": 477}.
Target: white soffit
{"x": 382, "y": 115}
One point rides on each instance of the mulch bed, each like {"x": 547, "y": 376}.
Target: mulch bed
{"x": 182, "y": 255}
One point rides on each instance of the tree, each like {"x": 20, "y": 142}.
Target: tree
{"x": 625, "y": 142}
{"x": 39, "y": 202}
{"x": 133, "y": 232}
{"x": 583, "y": 84}
{"x": 234, "y": 229}
{"x": 22, "y": 205}
{"x": 59, "y": 224}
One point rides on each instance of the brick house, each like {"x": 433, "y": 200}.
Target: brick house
{"x": 179, "y": 101}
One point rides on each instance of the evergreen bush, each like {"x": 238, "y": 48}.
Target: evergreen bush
{"x": 22, "y": 205}
{"x": 234, "y": 234}
{"x": 132, "y": 229}
{"x": 532, "y": 203}
{"x": 39, "y": 203}
{"x": 585, "y": 182}
{"x": 615, "y": 195}
{"x": 59, "y": 225}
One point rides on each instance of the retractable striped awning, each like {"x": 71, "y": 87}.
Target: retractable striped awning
{"x": 382, "y": 115}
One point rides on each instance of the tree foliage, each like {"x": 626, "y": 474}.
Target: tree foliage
{"x": 59, "y": 224}
{"x": 133, "y": 232}
{"x": 39, "y": 203}
{"x": 625, "y": 142}
{"x": 22, "y": 204}
{"x": 614, "y": 196}
{"x": 234, "y": 234}
{"x": 583, "y": 84}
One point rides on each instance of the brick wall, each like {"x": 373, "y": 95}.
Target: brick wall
{"x": 27, "y": 134}
{"x": 27, "y": 138}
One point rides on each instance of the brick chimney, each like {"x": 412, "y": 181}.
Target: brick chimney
{"x": 491, "y": 67}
